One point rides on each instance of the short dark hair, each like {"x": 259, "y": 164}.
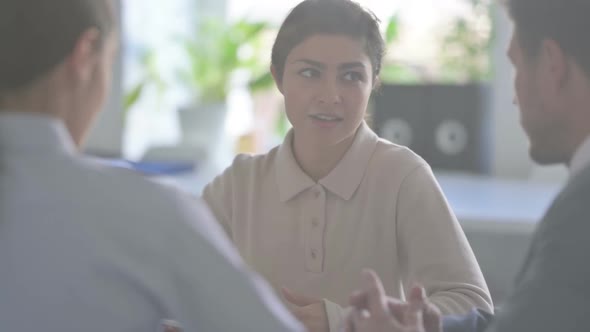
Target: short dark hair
{"x": 37, "y": 35}
{"x": 564, "y": 21}
{"x": 339, "y": 17}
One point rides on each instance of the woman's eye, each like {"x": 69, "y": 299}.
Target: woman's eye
{"x": 309, "y": 73}
{"x": 353, "y": 76}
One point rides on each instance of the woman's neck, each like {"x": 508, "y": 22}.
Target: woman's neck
{"x": 317, "y": 160}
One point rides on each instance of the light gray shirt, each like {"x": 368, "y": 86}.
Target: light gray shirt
{"x": 581, "y": 158}
{"x": 88, "y": 248}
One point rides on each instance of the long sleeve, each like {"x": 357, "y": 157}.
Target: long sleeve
{"x": 216, "y": 291}
{"x": 336, "y": 315}
{"x": 433, "y": 250}
{"x": 218, "y": 196}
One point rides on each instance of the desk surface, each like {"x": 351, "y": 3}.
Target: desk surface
{"x": 498, "y": 200}
{"x": 475, "y": 200}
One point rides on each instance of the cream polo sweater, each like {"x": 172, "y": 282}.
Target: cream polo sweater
{"x": 380, "y": 208}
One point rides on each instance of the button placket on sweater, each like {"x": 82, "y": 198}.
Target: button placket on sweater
{"x": 315, "y": 223}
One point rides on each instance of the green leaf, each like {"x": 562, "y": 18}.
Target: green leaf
{"x": 262, "y": 82}
{"x": 392, "y": 31}
{"x": 400, "y": 74}
{"x": 282, "y": 125}
{"x": 214, "y": 54}
{"x": 132, "y": 97}
{"x": 253, "y": 30}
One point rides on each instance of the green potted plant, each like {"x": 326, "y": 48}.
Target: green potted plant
{"x": 466, "y": 48}
{"x": 215, "y": 52}
{"x": 395, "y": 71}
{"x": 150, "y": 78}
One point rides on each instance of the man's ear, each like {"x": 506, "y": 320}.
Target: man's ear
{"x": 555, "y": 63}
{"x": 277, "y": 78}
{"x": 84, "y": 56}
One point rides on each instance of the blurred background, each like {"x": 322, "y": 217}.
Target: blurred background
{"x": 212, "y": 57}
{"x": 193, "y": 89}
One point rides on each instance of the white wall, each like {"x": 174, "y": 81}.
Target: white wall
{"x": 511, "y": 158}
{"x": 510, "y": 143}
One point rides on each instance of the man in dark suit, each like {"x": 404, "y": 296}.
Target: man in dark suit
{"x": 550, "y": 51}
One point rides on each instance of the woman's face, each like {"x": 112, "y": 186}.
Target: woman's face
{"x": 326, "y": 83}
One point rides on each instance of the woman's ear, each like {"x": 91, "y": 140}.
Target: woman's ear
{"x": 376, "y": 82}
{"x": 277, "y": 78}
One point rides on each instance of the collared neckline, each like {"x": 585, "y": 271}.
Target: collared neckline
{"x": 41, "y": 133}
{"x": 581, "y": 158}
{"x": 342, "y": 181}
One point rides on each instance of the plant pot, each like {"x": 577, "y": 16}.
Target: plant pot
{"x": 202, "y": 124}
{"x": 203, "y": 131}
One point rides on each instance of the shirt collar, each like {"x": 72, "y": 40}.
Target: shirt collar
{"x": 290, "y": 177}
{"x": 581, "y": 158}
{"x": 342, "y": 181}
{"x": 21, "y": 131}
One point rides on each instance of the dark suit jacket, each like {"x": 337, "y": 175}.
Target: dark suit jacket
{"x": 552, "y": 291}
{"x": 475, "y": 321}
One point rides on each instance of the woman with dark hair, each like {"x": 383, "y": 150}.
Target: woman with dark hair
{"x": 333, "y": 198}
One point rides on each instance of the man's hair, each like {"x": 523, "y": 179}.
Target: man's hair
{"x": 37, "y": 35}
{"x": 567, "y": 22}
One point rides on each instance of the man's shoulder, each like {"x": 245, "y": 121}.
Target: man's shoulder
{"x": 574, "y": 196}
{"x": 565, "y": 224}
{"x": 126, "y": 193}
